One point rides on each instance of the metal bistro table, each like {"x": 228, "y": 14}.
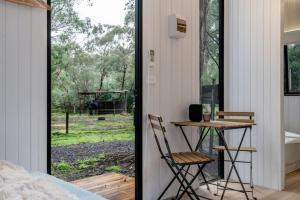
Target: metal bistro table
{"x": 219, "y": 127}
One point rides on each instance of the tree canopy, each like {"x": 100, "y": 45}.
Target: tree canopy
{"x": 89, "y": 57}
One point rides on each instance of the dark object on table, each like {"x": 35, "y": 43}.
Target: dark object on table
{"x": 195, "y": 112}
{"x": 206, "y": 117}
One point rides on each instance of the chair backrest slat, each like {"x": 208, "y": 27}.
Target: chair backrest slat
{"x": 156, "y": 124}
{"x": 246, "y": 117}
{"x": 155, "y": 117}
{"x": 158, "y": 127}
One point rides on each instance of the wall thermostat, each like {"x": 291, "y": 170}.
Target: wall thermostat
{"x": 177, "y": 26}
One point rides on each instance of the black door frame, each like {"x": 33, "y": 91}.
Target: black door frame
{"x": 221, "y": 75}
{"x": 138, "y": 115}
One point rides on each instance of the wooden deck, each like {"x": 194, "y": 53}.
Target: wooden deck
{"x": 116, "y": 187}
{"x": 111, "y": 186}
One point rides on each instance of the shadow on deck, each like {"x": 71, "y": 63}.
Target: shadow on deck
{"x": 111, "y": 186}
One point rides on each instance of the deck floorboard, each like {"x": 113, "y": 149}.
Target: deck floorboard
{"x": 112, "y": 186}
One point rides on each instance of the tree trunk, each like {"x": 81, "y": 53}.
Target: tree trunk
{"x": 123, "y": 78}
{"x": 203, "y": 33}
{"x": 203, "y": 37}
{"x": 102, "y": 77}
{"x": 67, "y": 122}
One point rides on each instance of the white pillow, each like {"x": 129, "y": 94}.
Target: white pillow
{"x": 17, "y": 184}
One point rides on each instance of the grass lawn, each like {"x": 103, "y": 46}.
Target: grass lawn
{"x": 88, "y": 129}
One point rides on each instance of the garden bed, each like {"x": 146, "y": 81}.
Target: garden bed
{"x": 75, "y": 162}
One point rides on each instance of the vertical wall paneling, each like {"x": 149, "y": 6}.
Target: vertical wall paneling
{"x": 254, "y": 81}
{"x": 12, "y": 79}
{"x": 2, "y": 81}
{"x": 39, "y": 91}
{"x": 176, "y": 69}
{"x": 276, "y": 94}
{"x": 23, "y": 84}
{"x": 24, "y": 41}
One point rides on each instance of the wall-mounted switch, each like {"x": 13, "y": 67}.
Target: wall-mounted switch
{"x": 152, "y": 55}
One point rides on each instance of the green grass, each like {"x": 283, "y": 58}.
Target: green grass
{"x": 91, "y": 161}
{"x": 80, "y": 137}
{"x": 114, "y": 168}
{"x": 63, "y": 166}
{"x": 87, "y": 129}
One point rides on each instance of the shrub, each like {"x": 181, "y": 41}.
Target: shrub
{"x": 114, "y": 168}
{"x": 64, "y": 166}
{"x": 83, "y": 164}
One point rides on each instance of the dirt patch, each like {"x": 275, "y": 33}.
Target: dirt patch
{"x": 118, "y": 153}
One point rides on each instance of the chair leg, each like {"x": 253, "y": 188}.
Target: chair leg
{"x": 203, "y": 176}
{"x": 233, "y": 166}
{"x": 187, "y": 170}
{"x": 190, "y": 184}
{"x": 181, "y": 181}
{"x": 187, "y": 187}
{"x": 169, "y": 185}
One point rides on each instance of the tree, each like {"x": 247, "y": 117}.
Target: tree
{"x": 294, "y": 67}
{"x": 209, "y": 41}
{"x": 102, "y": 60}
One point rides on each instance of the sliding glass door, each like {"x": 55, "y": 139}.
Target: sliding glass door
{"x": 95, "y": 92}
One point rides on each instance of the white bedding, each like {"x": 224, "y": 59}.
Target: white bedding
{"x": 17, "y": 184}
{"x": 292, "y": 138}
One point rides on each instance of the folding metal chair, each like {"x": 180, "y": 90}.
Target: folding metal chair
{"x": 179, "y": 162}
{"x": 246, "y": 117}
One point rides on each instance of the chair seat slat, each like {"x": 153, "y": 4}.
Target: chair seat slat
{"x": 191, "y": 158}
{"x": 244, "y": 149}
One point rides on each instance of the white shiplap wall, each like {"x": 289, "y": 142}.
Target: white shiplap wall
{"x": 23, "y": 85}
{"x": 176, "y": 69}
{"x": 253, "y": 81}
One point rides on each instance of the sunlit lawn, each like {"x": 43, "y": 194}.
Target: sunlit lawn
{"x": 88, "y": 129}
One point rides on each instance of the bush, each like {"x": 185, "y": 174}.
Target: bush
{"x": 115, "y": 168}
{"x": 64, "y": 166}
{"x": 83, "y": 164}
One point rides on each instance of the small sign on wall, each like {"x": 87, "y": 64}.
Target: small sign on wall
{"x": 177, "y": 26}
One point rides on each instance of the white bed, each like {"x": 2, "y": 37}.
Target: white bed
{"x": 18, "y": 184}
{"x": 292, "y": 149}
{"x": 292, "y": 138}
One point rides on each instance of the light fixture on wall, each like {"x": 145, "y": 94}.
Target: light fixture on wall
{"x": 177, "y": 26}
{"x": 32, "y": 3}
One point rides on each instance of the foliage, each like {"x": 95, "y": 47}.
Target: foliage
{"x": 114, "y": 168}
{"x": 294, "y": 66}
{"x": 89, "y": 57}
{"x": 86, "y": 163}
{"x": 209, "y": 36}
{"x": 64, "y": 166}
